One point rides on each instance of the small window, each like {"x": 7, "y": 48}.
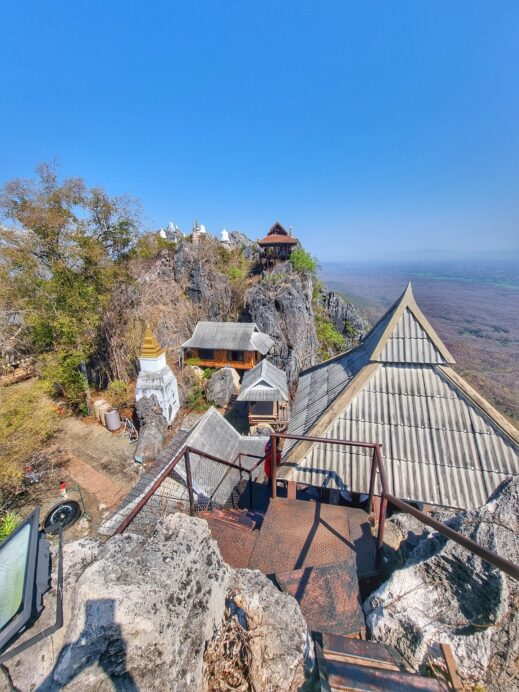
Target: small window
{"x": 236, "y": 356}
{"x": 205, "y": 354}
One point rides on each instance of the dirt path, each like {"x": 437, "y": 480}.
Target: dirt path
{"x": 98, "y": 484}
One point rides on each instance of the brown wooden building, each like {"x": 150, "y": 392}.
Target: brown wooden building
{"x": 277, "y": 246}
{"x": 240, "y": 345}
{"x": 265, "y": 389}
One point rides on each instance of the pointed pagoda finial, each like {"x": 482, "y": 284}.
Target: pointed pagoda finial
{"x": 150, "y": 346}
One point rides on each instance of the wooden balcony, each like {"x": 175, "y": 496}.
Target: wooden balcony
{"x": 269, "y": 412}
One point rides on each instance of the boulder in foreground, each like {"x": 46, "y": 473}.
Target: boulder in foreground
{"x": 446, "y": 594}
{"x": 165, "y": 613}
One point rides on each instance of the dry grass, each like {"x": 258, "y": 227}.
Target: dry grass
{"x": 228, "y": 657}
{"x": 27, "y": 420}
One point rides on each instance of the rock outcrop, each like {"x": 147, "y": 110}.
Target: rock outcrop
{"x": 249, "y": 248}
{"x": 221, "y": 386}
{"x": 446, "y": 594}
{"x": 281, "y": 306}
{"x": 345, "y": 317}
{"x": 165, "y": 613}
{"x": 152, "y": 429}
{"x": 194, "y": 270}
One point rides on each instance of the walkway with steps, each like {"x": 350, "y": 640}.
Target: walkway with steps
{"x": 353, "y": 664}
{"x": 315, "y": 552}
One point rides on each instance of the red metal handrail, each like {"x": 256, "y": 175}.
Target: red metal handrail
{"x": 377, "y": 463}
{"x": 183, "y": 452}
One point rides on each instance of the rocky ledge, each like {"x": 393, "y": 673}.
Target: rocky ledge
{"x": 446, "y": 594}
{"x": 165, "y": 613}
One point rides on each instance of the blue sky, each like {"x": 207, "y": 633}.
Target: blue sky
{"x": 370, "y": 127}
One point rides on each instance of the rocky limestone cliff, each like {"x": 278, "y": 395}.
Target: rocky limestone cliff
{"x": 345, "y": 316}
{"x": 188, "y": 282}
{"x": 281, "y": 305}
{"x": 165, "y": 613}
{"x": 444, "y": 593}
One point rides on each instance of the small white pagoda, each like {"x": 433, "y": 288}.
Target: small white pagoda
{"x": 156, "y": 377}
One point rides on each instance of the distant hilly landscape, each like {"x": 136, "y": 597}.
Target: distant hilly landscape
{"x": 473, "y": 305}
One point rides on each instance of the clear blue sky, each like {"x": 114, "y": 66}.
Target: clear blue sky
{"x": 367, "y": 126}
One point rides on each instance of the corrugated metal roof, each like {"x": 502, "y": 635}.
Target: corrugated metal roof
{"x": 212, "y": 434}
{"x": 438, "y": 446}
{"x": 264, "y": 382}
{"x": 232, "y": 336}
{"x": 262, "y": 342}
{"x": 319, "y": 386}
{"x": 410, "y": 343}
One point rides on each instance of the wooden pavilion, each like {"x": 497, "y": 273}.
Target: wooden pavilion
{"x": 277, "y": 246}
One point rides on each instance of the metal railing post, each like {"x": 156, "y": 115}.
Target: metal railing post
{"x": 189, "y": 480}
{"x": 372, "y": 480}
{"x": 273, "y": 460}
{"x": 381, "y": 526}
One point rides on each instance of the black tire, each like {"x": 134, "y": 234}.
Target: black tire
{"x": 65, "y": 513}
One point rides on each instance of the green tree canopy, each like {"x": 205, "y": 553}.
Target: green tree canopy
{"x": 60, "y": 256}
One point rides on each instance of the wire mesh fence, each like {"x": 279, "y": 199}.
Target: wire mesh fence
{"x": 215, "y": 485}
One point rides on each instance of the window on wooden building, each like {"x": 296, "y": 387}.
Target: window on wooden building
{"x": 236, "y": 356}
{"x": 206, "y": 354}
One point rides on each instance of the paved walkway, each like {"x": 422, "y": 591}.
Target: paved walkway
{"x": 95, "y": 482}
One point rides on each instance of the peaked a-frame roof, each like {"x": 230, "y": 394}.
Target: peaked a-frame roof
{"x": 404, "y": 335}
{"x": 264, "y": 382}
{"x": 442, "y": 442}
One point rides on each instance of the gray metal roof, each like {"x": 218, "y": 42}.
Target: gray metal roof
{"x": 264, "y": 382}
{"x": 410, "y": 343}
{"x": 212, "y": 434}
{"x": 232, "y": 336}
{"x": 318, "y": 387}
{"x": 440, "y": 445}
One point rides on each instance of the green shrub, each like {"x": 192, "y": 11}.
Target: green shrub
{"x": 27, "y": 421}
{"x": 303, "y": 262}
{"x": 196, "y": 400}
{"x": 237, "y": 273}
{"x": 118, "y": 393}
{"x": 192, "y": 361}
{"x": 330, "y": 340}
{"x": 208, "y": 372}
{"x": 62, "y": 374}
{"x": 8, "y": 522}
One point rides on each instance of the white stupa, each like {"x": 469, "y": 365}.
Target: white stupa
{"x": 224, "y": 237}
{"x": 156, "y": 377}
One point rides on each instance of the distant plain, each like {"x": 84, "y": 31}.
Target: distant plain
{"x": 474, "y": 307}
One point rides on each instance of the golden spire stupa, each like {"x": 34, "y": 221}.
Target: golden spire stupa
{"x": 150, "y": 346}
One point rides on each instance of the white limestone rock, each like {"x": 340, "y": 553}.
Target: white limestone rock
{"x": 221, "y": 386}
{"x": 446, "y": 594}
{"x": 140, "y": 613}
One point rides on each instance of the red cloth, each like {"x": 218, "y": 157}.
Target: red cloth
{"x": 268, "y": 462}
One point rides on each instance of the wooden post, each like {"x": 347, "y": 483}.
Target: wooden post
{"x": 452, "y": 671}
{"x": 189, "y": 484}
{"x": 273, "y": 469}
